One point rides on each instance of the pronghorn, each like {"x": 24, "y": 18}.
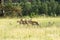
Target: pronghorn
{"x": 33, "y": 22}
{"x": 23, "y": 21}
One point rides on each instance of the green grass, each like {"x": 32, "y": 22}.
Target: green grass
{"x": 11, "y": 30}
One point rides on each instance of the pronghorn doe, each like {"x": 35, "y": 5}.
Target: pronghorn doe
{"x": 22, "y": 21}
{"x": 33, "y": 22}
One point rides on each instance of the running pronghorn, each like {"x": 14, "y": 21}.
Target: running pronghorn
{"x": 24, "y": 21}
{"x": 33, "y": 22}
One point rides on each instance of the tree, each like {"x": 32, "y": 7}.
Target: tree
{"x": 1, "y": 7}
{"x": 58, "y": 10}
{"x": 52, "y": 8}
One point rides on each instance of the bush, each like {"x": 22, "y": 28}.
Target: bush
{"x": 35, "y": 7}
{"x": 12, "y": 10}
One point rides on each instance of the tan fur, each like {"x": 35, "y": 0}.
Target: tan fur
{"x": 33, "y": 22}
{"x": 24, "y": 21}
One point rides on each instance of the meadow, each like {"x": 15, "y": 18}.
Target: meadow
{"x": 11, "y": 30}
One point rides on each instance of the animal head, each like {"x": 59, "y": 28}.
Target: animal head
{"x": 18, "y": 21}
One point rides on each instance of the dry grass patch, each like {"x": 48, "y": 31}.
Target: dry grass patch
{"x": 11, "y": 30}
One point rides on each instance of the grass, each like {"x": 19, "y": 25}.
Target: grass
{"x": 11, "y": 30}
